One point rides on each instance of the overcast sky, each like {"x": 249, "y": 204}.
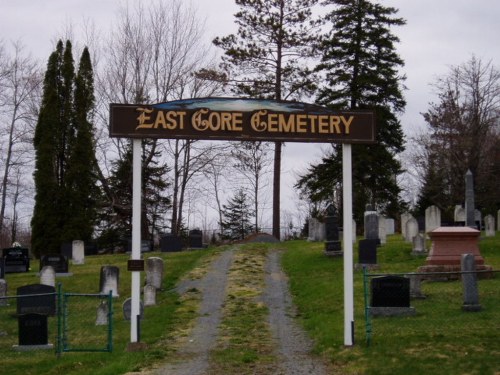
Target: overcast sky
{"x": 438, "y": 34}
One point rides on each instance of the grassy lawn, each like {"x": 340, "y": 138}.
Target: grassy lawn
{"x": 440, "y": 339}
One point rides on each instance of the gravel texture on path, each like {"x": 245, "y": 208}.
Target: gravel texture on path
{"x": 293, "y": 345}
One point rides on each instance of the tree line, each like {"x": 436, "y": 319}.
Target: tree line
{"x": 54, "y": 122}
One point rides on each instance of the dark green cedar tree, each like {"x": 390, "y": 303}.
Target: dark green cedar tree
{"x": 237, "y": 217}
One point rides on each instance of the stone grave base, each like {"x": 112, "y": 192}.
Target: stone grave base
{"x": 419, "y": 253}
{"x": 28, "y": 348}
{"x": 136, "y": 346}
{"x": 334, "y": 253}
{"x": 392, "y": 311}
{"x": 370, "y": 267}
{"x": 60, "y": 274}
{"x": 471, "y": 308}
{"x": 452, "y": 268}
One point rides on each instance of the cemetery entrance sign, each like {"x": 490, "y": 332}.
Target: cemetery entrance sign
{"x": 239, "y": 119}
{"x": 243, "y": 120}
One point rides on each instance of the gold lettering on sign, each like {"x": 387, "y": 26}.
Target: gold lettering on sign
{"x": 257, "y": 124}
{"x": 143, "y": 117}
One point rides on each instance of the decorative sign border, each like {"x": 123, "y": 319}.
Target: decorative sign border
{"x": 241, "y": 119}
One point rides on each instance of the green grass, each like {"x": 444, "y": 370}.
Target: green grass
{"x": 440, "y": 339}
{"x": 159, "y": 322}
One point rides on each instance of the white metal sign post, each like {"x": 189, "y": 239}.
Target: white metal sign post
{"x": 241, "y": 119}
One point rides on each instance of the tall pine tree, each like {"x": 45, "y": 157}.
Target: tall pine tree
{"x": 267, "y": 59}
{"x": 360, "y": 65}
{"x": 237, "y": 217}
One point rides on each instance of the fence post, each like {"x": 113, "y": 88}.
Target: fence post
{"x": 368, "y": 324}
{"x": 59, "y": 320}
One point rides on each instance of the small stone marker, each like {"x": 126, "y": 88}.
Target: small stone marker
{"x": 109, "y": 280}
{"x": 154, "y": 272}
{"x": 415, "y": 286}
{"x": 432, "y": 218}
{"x": 78, "y": 251}
{"x": 33, "y": 332}
{"x": 44, "y": 304}
{"x": 102, "y": 314}
{"x": 149, "y": 295}
{"x": 390, "y": 296}
{"x": 48, "y": 276}
{"x": 469, "y": 281}
{"x": 127, "y": 309}
{"x": 489, "y": 226}
{"x": 3, "y": 292}
{"x": 418, "y": 243}
{"x": 411, "y": 229}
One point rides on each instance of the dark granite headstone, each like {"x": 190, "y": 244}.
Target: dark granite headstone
{"x": 16, "y": 259}
{"x": 2, "y": 269}
{"x": 67, "y": 250}
{"x": 127, "y": 309}
{"x": 332, "y": 243}
{"x": 195, "y": 239}
{"x": 57, "y": 261}
{"x": 33, "y": 329}
{"x": 371, "y": 225}
{"x": 44, "y": 304}
{"x": 367, "y": 251}
{"x": 390, "y": 291}
{"x": 170, "y": 242}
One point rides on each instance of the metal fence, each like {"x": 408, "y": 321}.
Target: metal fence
{"x": 57, "y": 322}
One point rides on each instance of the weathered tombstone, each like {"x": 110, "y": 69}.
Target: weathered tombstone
{"x": 109, "y": 280}
{"x": 149, "y": 295}
{"x": 332, "y": 244}
{"x": 33, "y": 330}
{"x": 478, "y": 218}
{"x": 432, "y": 218}
{"x": 418, "y": 245}
{"x": 48, "y": 276}
{"x": 170, "y": 242}
{"x": 316, "y": 230}
{"x": 127, "y": 309}
{"x": 390, "y": 295}
{"x": 469, "y": 282}
{"x": 16, "y": 259}
{"x": 154, "y": 271}
{"x": 498, "y": 220}
{"x": 102, "y": 314}
{"x": 411, "y": 229}
{"x": 489, "y": 226}
{"x": 459, "y": 214}
{"x": 367, "y": 254}
{"x": 390, "y": 226}
{"x": 36, "y": 298}
{"x": 382, "y": 230}
{"x": 469, "y": 200}
{"x": 57, "y": 261}
{"x": 195, "y": 239}
{"x": 78, "y": 252}
{"x": 3, "y": 292}
{"x": 404, "y": 219}
{"x": 415, "y": 286}
{"x": 371, "y": 224}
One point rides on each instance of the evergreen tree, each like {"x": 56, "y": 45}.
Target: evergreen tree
{"x": 360, "y": 65}
{"x": 237, "y": 217}
{"x": 267, "y": 59}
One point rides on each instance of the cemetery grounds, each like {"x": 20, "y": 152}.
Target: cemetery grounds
{"x": 439, "y": 339}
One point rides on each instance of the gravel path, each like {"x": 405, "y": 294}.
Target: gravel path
{"x": 292, "y": 344}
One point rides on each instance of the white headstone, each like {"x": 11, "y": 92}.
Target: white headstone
{"x": 109, "y": 280}
{"x": 411, "y": 229}
{"x": 432, "y": 218}
{"x": 316, "y": 230}
{"x": 154, "y": 272}
{"x": 78, "y": 252}
{"x": 418, "y": 244}
{"x": 149, "y": 295}
{"x": 404, "y": 219}
{"x": 459, "y": 214}
{"x": 102, "y": 314}
{"x": 48, "y": 276}
{"x": 390, "y": 227}
{"x": 382, "y": 230}
{"x": 489, "y": 226}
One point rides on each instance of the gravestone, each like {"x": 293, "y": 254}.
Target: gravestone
{"x": 127, "y": 309}
{"x": 2, "y": 268}
{"x": 33, "y": 330}
{"x": 415, "y": 286}
{"x": 469, "y": 282}
{"x": 432, "y": 218}
{"x": 390, "y": 226}
{"x": 459, "y": 214}
{"x": 195, "y": 239}
{"x": 316, "y": 230}
{"x": 102, "y": 314}
{"x": 371, "y": 224}
{"x": 404, "y": 219}
{"x": 109, "y": 280}
{"x": 418, "y": 245}
{"x": 498, "y": 220}
{"x": 411, "y": 229}
{"x": 382, "y": 230}
{"x": 170, "y": 242}
{"x": 149, "y": 295}
{"x": 78, "y": 252}
{"x": 57, "y": 261}
{"x": 146, "y": 246}
{"x": 16, "y": 259}
{"x": 67, "y": 250}
{"x": 367, "y": 254}
{"x": 390, "y": 296}
{"x": 3, "y": 292}
{"x": 489, "y": 226}
{"x": 154, "y": 272}
{"x": 38, "y": 299}
{"x": 48, "y": 276}
{"x": 332, "y": 245}
{"x": 469, "y": 200}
